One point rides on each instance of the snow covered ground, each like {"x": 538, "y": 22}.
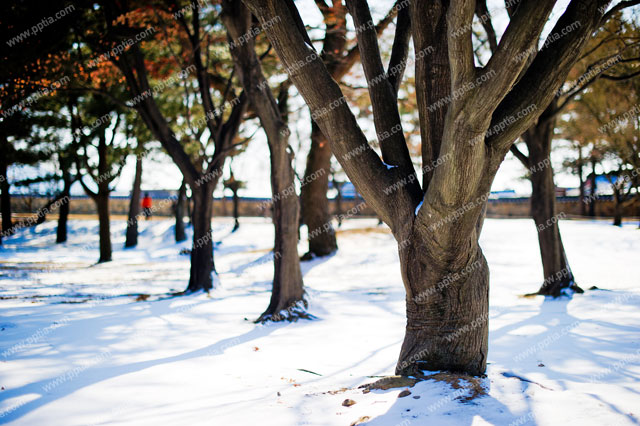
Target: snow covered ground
{"x": 79, "y": 345}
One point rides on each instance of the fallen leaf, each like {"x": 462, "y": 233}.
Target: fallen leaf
{"x": 348, "y": 402}
{"x": 404, "y": 393}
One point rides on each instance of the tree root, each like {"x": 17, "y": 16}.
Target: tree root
{"x": 293, "y": 313}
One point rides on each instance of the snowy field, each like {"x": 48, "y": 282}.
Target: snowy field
{"x": 86, "y": 344}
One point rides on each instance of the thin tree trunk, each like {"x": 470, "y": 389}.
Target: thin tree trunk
{"x": 617, "y": 209}
{"x": 315, "y": 204}
{"x": 287, "y": 295}
{"x": 202, "y": 266}
{"x": 63, "y": 212}
{"x": 182, "y": 194}
{"x": 339, "y": 203}
{"x": 557, "y": 273}
{"x": 287, "y": 290}
{"x": 102, "y": 199}
{"x": 592, "y": 193}
{"x": 134, "y": 207}
{"x": 102, "y": 203}
{"x": 583, "y": 204}
{"x": 6, "y": 198}
{"x": 236, "y": 224}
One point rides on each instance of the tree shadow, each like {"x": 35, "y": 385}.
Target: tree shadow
{"x": 51, "y": 389}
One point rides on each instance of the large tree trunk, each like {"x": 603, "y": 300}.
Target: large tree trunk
{"x": 447, "y": 307}
{"x": 5, "y": 201}
{"x": 134, "y": 207}
{"x": 102, "y": 203}
{"x": 315, "y": 205}
{"x": 63, "y": 212}
{"x": 180, "y": 206}
{"x": 557, "y": 273}
{"x": 202, "y": 266}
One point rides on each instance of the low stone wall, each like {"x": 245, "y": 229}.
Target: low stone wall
{"x": 261, "y": 207}
{"x": 570, "y": 206}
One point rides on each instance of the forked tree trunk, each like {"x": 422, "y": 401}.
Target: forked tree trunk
{"x": 102, "y": 203}
{"x": 131, "y": 239}
{"x": 315, "y": 205}
{"x": 447, "y": 311}
{"x": 557, "y": 273}
{"x": 438, "y": 225}
{"x": 287, "y": 295}
{"x": 63, "y": 212}
{"x": 202, "y": 267}
{"x": 180, "y": 206}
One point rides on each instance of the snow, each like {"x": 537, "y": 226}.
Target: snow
{"x": 389, "y": 166}
{"x": 76, "y": 347}
{"x": 418, "y": 208}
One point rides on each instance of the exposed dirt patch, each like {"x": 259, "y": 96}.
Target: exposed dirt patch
{"x": 460, "y": 381}
{"x": 390, "y": 382}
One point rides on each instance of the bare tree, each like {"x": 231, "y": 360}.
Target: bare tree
{"x": 437, "y": 224}
{"x": 203, "y": 171}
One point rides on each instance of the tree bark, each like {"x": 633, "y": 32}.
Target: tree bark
{"x": 447, "y": 311}
{"x": 63, "y": 212}
{"x": 313, "y": 195}
{"x": 557, "y": 273}
{"x": 131, "y": 239}
{"x": 180, "y": 205}
{"x": 202, "y": 266}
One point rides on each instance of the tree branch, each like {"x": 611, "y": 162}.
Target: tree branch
{"x": 518, "y": 42}
{"x": 460, "y": 17}
{"x": 483, "y": 14}
{"x": 383, "y": 96}
{"x": 400, "y": 49}
{"x": 539, "y": 84}
{"x": 353, "y": 55}
{"x": 520, "y": 155}
{"x": 617, "y": 8}
{"x": 332, "y": 114}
